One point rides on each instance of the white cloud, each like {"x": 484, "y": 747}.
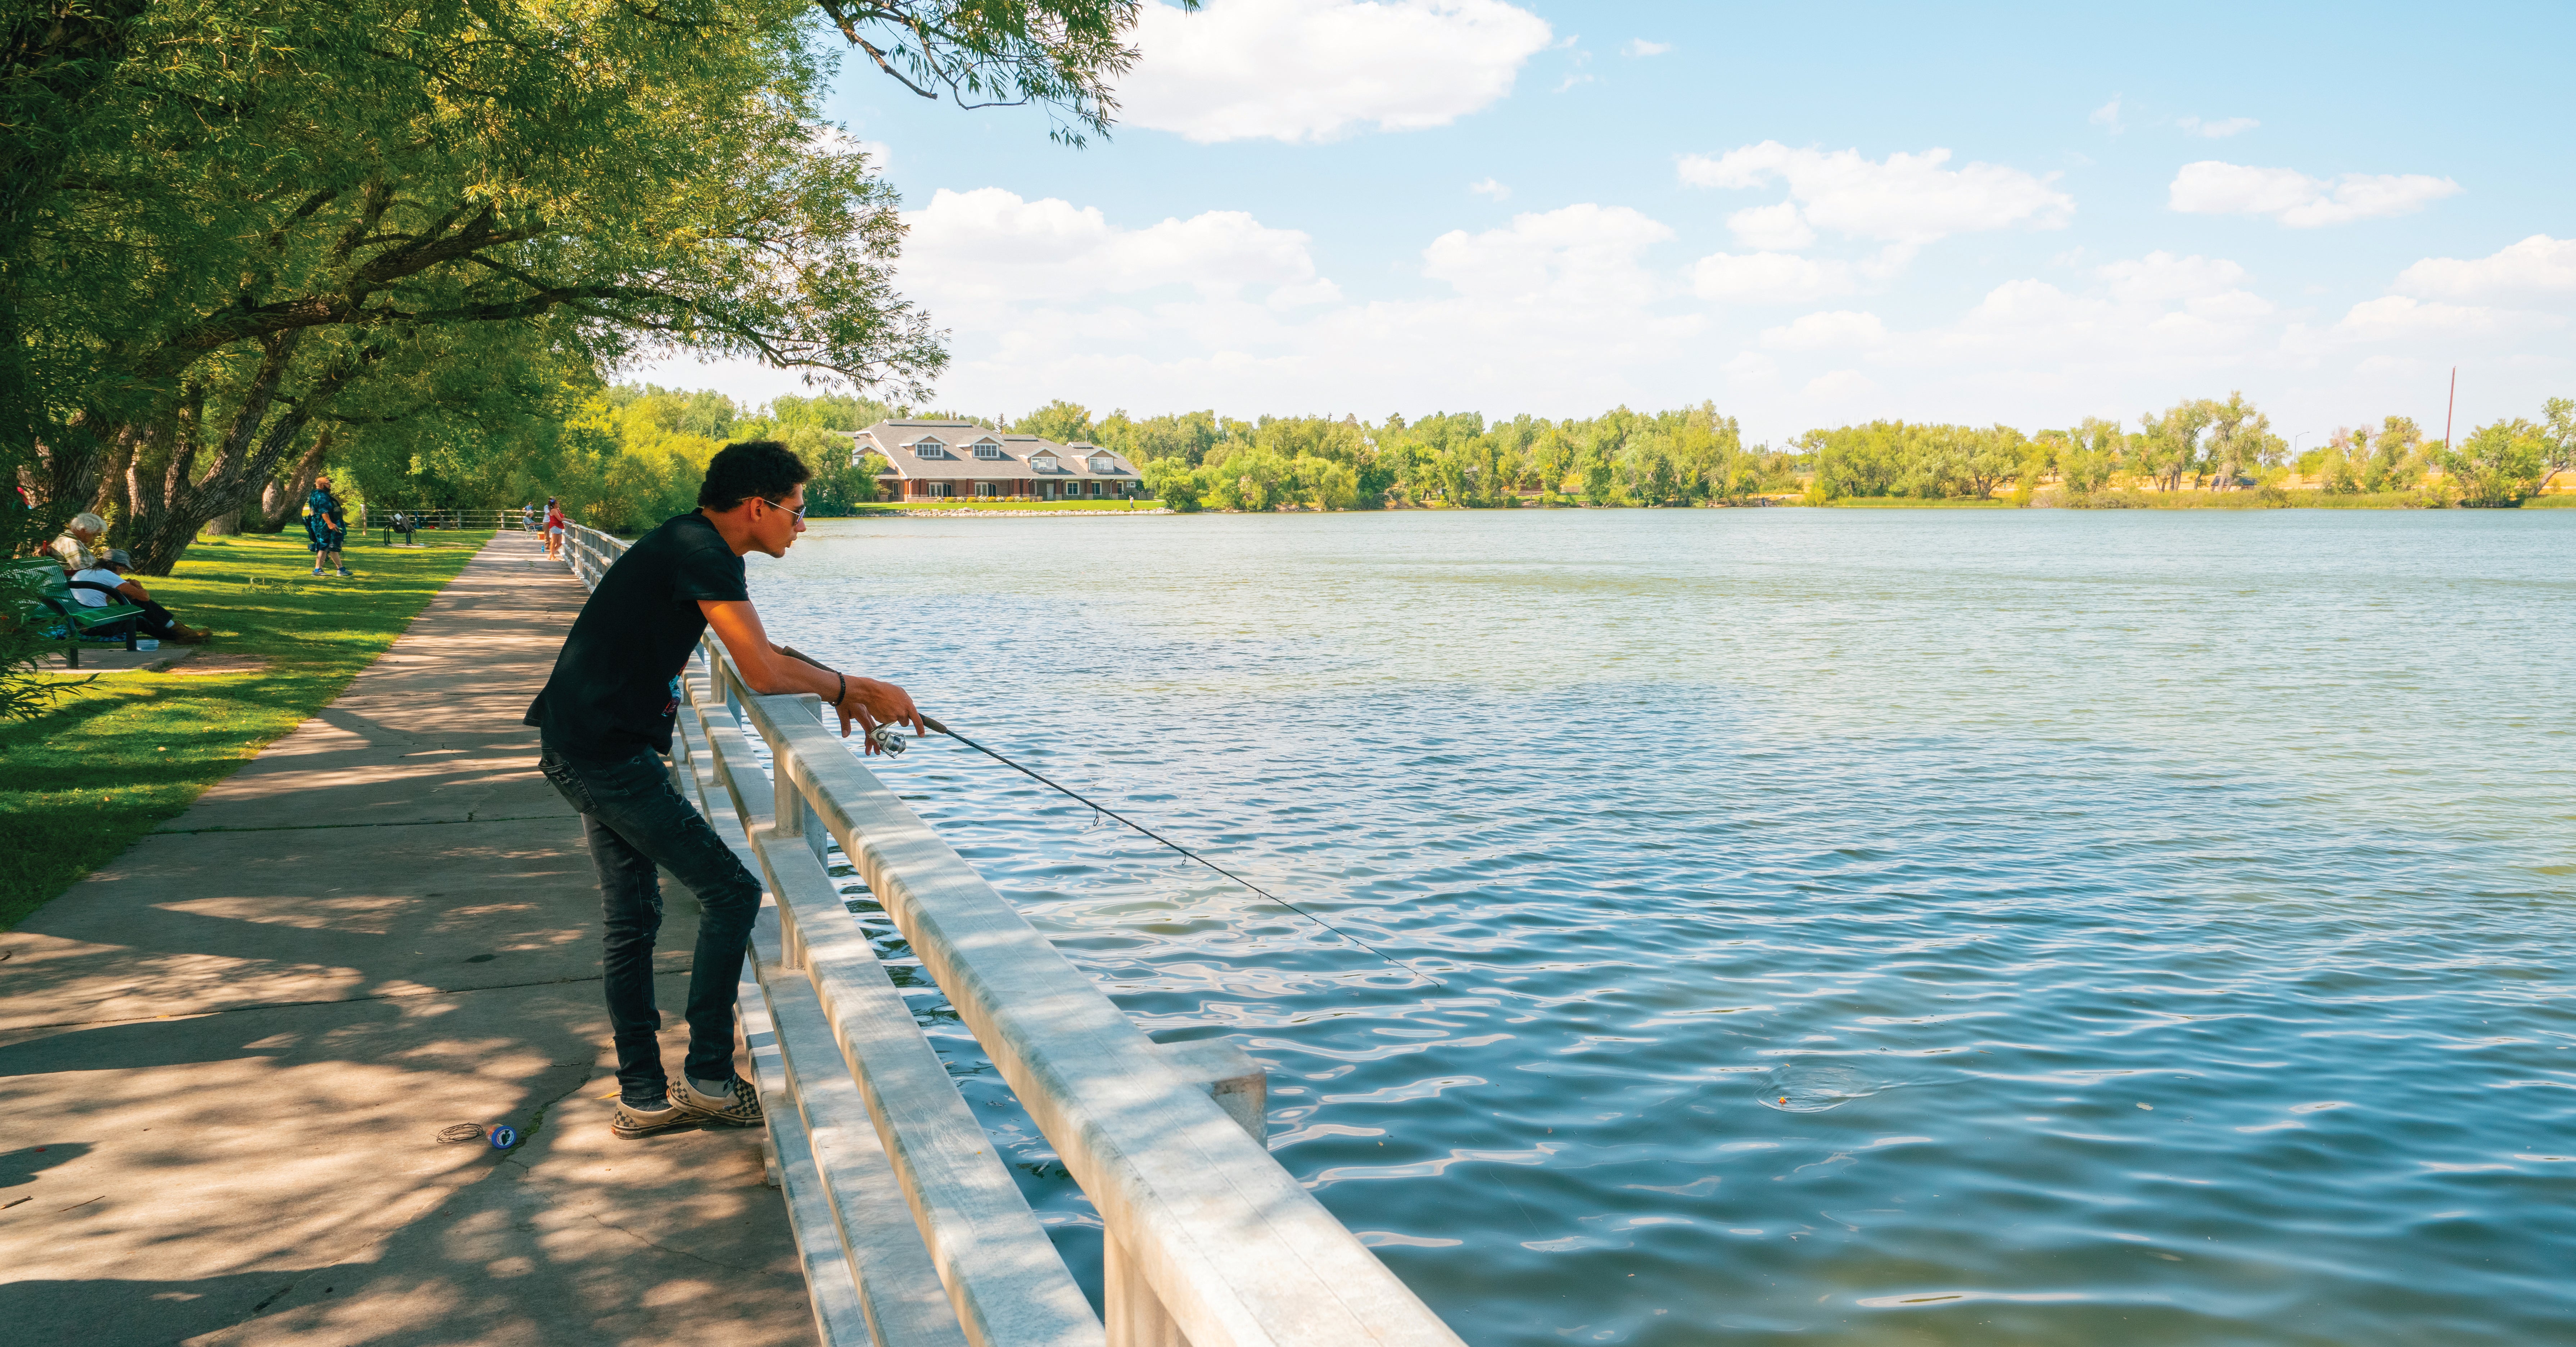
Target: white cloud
{"x": 2397, "y": 317}
{"x": 989, "y": 244}
{"x": 1492, "y": 188}
{"x": 1638, "y": 46}
{"x": 2173, "y": 316}
{"x": 1304, "y": 293}
{"x": 1585, "y": 254}
{"x": 1771, "y": 227}
{"x": 1818, "y": 331}
{"x": 1559, "y": 312}
{"x": 2161, "y": 276}
{"x": 2219, "y": 130}
{"x": 1774, "y": 278}
{"x": 1305, "y": 70}
{"x": 2212, "y": 187}
{"x": 2108, "y": 115}
{"x": 1909, "y": 197}
{"x": 1841, "y": 383}
{"x": 2536, "y": 266}
{"x": 1562, "y": 300}
{"x": 1751, "y": 367}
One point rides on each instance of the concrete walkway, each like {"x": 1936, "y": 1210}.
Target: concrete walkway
{"x": 226, "y": 1056}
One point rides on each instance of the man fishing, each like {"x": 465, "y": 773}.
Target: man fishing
{"x": 605, "y": 718}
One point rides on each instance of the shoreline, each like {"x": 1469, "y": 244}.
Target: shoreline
{"x": 2231, "y": 502}
{"x": 864, "y": 512}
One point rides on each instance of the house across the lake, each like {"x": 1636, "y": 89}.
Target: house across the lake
{"x": 939, "y": 460}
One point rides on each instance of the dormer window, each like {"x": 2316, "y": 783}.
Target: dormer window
{"x": 1043, "y": 462}
{"x": 1103, "y": 463}
{"x": 929, "y": 449}
{"x": 988, "y": 449}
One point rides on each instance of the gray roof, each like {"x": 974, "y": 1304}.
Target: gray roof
{"x": 957, "y": 441}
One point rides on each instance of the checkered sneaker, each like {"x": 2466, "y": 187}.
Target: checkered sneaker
{"x": 739, "y": 1108}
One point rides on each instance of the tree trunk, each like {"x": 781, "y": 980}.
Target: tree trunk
{"x": 245, "y": 459}
{"x": 161, "y": 535}
{"x": 109, "y": 497}
{"x": 280, "y": 506}
{"x": 163, "y": 487}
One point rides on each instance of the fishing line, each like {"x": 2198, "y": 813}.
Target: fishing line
{"x": 1098, "y": 808}
{"x": 890, "y": 738}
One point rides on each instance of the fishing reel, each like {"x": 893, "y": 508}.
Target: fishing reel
{"x": 888, "y": 739}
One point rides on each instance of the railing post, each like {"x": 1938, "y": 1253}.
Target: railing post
{"x": 788, "y": 816}
{"x": 792, "y": 815}
{"x": 1134, "y": 1316}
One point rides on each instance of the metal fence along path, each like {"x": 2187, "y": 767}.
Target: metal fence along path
{"x": 1210, "y": 1243}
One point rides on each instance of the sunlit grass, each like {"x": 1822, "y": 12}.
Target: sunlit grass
{"x": 127, "y": 751}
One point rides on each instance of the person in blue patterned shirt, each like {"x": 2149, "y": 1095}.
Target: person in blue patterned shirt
{"x": 326, "y": 527}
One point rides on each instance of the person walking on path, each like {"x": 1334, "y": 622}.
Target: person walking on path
{"x": 326, "y": 527}
{"x": 554, "y": 530}
{"x": 604, "y": 721}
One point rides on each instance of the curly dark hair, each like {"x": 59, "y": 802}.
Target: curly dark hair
{"x": 738, "y": 472}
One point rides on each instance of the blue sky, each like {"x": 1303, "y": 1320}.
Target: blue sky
{"x": 1806, "y": 215}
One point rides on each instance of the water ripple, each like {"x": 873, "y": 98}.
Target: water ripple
{"x": 1984, "y": 928}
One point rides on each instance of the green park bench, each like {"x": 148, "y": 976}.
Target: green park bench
{"x": 74, "y": 622}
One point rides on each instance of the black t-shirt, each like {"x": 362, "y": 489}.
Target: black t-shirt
{"x": 616, "y": 686}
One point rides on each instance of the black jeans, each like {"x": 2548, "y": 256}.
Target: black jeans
{"x": 634, "y": 820}
{"x": 156, "y": 621}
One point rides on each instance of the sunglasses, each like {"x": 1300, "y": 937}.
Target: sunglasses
{"x": 798, "y": 512}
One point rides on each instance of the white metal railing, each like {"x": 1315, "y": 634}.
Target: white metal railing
{"x": 424, "y": 517}
{"x": 1209, "y": 1242}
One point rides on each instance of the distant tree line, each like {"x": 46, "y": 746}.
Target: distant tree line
{"x": 1200, "y": 460}
{"x": 624, "y": 457}
{"x": 2201, "y": 444}
{"x": 1696, "y": 456}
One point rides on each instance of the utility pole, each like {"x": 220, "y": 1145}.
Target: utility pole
{"x": 2452, "y": 406}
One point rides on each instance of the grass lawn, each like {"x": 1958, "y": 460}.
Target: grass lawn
{"x": 115, "y": 758}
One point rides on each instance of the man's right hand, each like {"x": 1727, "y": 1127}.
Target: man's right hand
{"x": 871, "y": 702}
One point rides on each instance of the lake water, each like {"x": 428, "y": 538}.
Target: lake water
{"x": 1851, "y": 926}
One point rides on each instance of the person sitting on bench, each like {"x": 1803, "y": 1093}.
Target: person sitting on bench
{"x": 76, "y": 549}
{"x": 111, "y": 580}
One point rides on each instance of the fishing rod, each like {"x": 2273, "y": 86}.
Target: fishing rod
{"x": 889, "y": 738}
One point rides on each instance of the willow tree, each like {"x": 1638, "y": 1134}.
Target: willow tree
{"x": 378, "y": 175}
{"x": 260, "y": 204}
{"x": 59, "y": 61}
{"x": 1063, "y": 56}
